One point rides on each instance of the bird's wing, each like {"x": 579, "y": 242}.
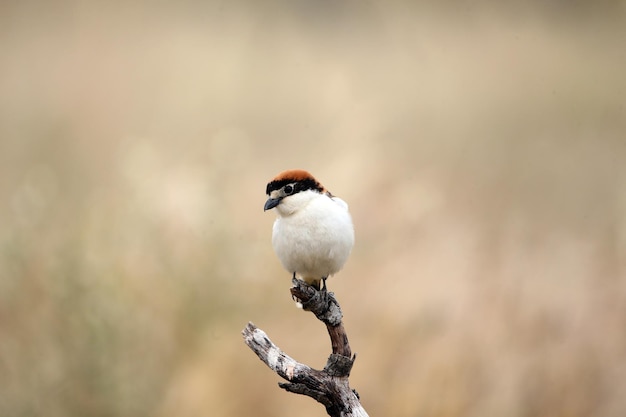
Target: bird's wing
{"x": 340, "y": 202}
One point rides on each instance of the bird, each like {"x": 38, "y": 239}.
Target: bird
{"x": 313, "y": 233}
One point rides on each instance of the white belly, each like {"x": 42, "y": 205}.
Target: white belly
{"x": 314, "y": 242}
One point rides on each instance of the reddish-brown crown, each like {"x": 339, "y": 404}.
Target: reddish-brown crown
{"x": 305, "y": 180}
{"x": 294, "y": 175}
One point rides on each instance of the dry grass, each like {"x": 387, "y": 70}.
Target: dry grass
{"x": 482, "y": 151}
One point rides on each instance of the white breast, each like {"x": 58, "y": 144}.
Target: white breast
{"x": 313, "y": 235}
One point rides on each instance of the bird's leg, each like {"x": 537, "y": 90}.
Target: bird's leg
{"x": 324, "y": 284}
{"x": 293, "y": 297}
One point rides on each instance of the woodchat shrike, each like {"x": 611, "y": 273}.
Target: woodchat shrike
{"x": 313, "y": 232}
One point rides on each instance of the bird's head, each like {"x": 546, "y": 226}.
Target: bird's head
{"x": 290, "y": 183}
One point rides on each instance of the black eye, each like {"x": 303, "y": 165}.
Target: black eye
{"x": 288, "y": 189}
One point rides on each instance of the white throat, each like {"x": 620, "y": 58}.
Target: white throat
{"x": 293, "y": 203}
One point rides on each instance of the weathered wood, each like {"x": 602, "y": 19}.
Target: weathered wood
{"x": 329, "y": 386}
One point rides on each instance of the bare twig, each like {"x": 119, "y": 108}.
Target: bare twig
{"x": 329, "y": 386}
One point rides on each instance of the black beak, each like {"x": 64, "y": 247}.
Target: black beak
{"x": 271, "y": 203}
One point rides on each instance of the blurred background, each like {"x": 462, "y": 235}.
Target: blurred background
{"x": 481, "y": 147}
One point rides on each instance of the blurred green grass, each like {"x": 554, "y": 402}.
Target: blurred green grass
{"x": 481, "y": 148}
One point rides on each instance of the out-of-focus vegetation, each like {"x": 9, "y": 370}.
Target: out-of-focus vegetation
{"x": 481, "y": 147}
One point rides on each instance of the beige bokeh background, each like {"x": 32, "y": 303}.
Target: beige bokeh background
{"x": 481, "y": 147}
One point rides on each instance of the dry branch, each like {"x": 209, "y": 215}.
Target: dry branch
{"x": 329, "y": 386}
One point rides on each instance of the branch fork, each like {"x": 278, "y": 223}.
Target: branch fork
{"x": 329, "y": 386}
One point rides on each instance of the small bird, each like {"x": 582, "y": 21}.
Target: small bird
{"x": 313, "y": 233}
